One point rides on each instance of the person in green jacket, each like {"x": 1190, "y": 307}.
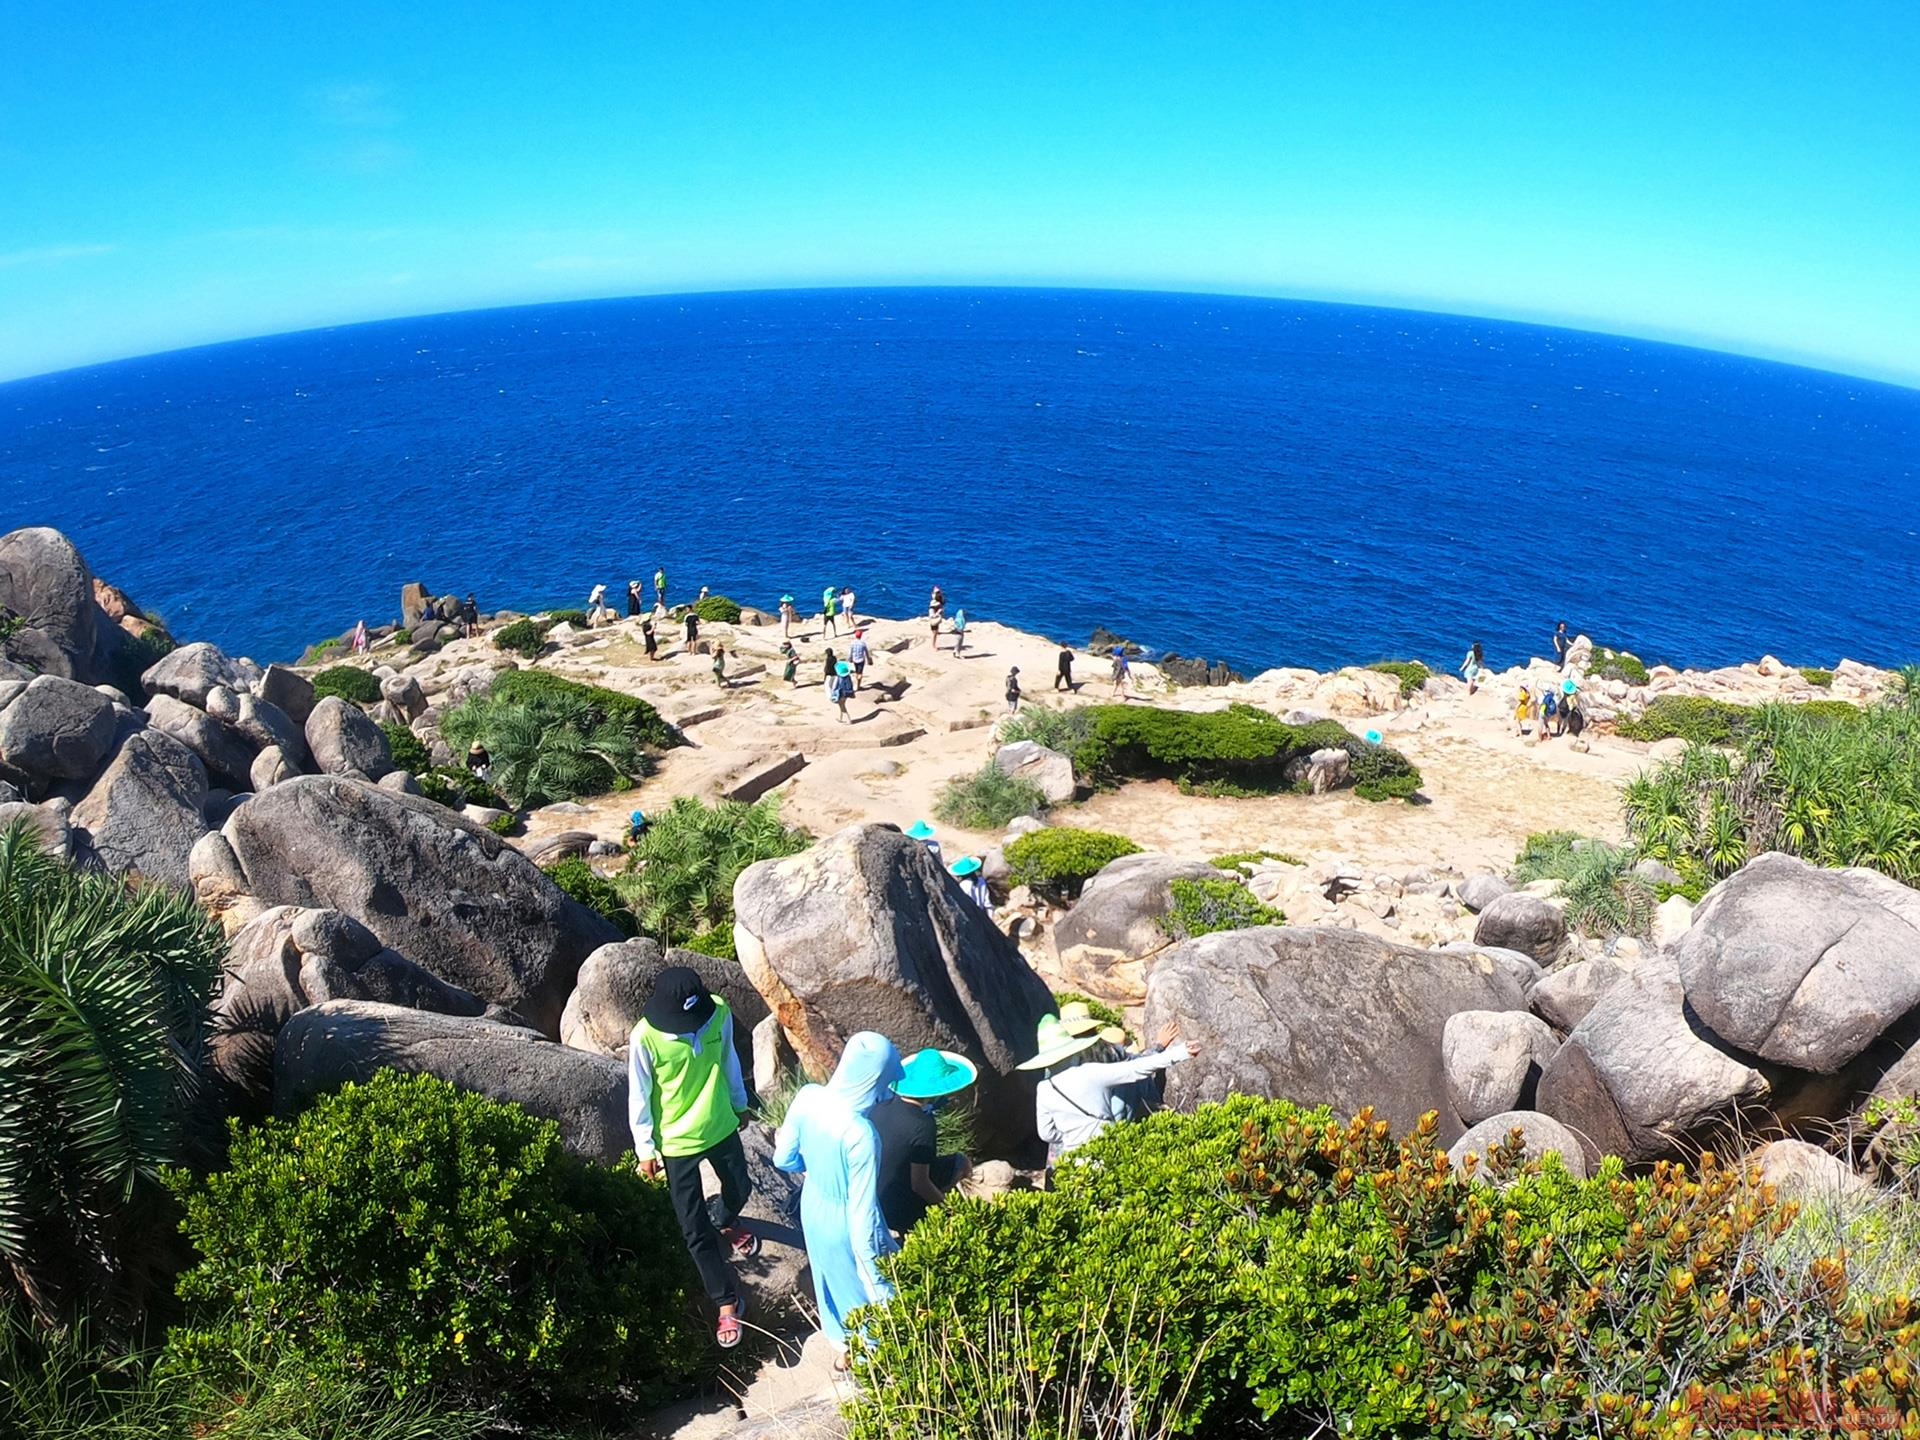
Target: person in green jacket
{"x": 685, "y": 1100}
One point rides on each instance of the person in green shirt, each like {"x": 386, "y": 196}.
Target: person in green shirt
{"x": 685, "y": 1100}
{"x": 660, "y": 586}
{"x": 829, "y": 603}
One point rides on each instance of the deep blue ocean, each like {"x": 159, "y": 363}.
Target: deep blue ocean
{"x": 1264, "y": 481}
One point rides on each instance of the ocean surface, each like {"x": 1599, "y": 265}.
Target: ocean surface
{"x": 1264, "y": 481}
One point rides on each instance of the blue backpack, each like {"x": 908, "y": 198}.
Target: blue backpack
{"x": 1549, "y": 704}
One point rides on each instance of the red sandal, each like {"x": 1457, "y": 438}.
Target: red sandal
{"x": 743, "y": 1243}
{"x": 727, "y": 1334}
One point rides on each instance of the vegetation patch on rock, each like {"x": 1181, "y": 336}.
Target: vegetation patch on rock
{"x": 719, "y": 609}
{"x": 1605, "y": 895}
{"x": 595, "y": 891}
{"x": 680, "y": 873}
{"x": 1411, "y": 674}
{"x": 349, "y": 682}
{"x": 1200, "y": 907}
{"x": 551, "y": 738}
{"x": 408, "y": 750}
{"x": 1623, "y": 665}
{"x": 988, "y": 799}
{"x": 1057, "y": 861}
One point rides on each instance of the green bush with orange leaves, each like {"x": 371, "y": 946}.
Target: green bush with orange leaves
{"x": 1260, "y": 1269}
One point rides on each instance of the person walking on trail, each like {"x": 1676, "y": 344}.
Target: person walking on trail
{"x": 846, "y": 604}
{"x": 1122, "y": 668}
{"x": 1523, "y": 711}
{"x": 685, "y": 1102}
{"x": 1085, "y": 1084}
{"x": 720, "y": 666}
{"x": 786, "y": 617}
{"x": 829, "y": 602}
{"x": 828, "y": 1137}
{"x": 857, "y": 656}
{"x": 1473, "y": 667}
{"x": 660, "y": 587}
{"x": 829, "y": 667}
{"x": 596, "y": 602}
{"x": 790, "y": 672}
{"x": 1562, "y": 642}
{"x": 1013, "y": 691}
{"x": 960, "y": 630}
{"x": 1063, "y": 673}
{"x": 470, "y": 616}
{"x": 360, "y": 644}
{"x": 649, "y": 639}
{"x": 841, "y": 688}
{"x": 972, "y": 876}
{"x": 924, "y": 833}
{"x": 635, "y": 601}
{"x": 914, "y": 1175}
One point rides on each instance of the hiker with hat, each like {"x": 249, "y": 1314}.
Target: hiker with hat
{"x": 828, "y": 1136}
{"x": 857, "y": 656}
{"x": 1084, "y": 1089}
{"x": 635, "y": 604}
{"x": 960, "y": 630}
{"x": 913, "y": 1175}
{"x": 786, "y": 617}
{"x": 924, "y": 833}
{"x": 971, "y": 874}
{"x": 829, "y": 603}
{"x": 478, "y": 760}
{"x": 685, "y": 1099}
{"x": 841, "y": 687}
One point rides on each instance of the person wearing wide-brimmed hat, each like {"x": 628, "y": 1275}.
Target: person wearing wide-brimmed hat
{"x": 685, "y": 1099}
{"x": 841, "y": 688}
{"x": 971, "y": 874}
{"x": 1086, "y": 1081}
{"x": 913, "y": 1174}
{"x": 478, "y": 760}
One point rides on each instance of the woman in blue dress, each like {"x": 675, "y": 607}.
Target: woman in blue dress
{"x": 827, "y": 1136}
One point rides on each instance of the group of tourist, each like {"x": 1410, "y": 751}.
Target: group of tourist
{"x": 1556, "y": 709}
{"x": 866, "y": 1142}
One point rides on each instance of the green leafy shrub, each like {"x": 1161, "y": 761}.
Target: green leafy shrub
{"x": 1389, "y": 787}
{"x": 349, "y": 682}
{"x": 717, "y": 942}
{"x": 408, "y": 751}
{"x": 1411, "y": 674}
{"x": 323, "y": 650}
{"x": 503, "y": 824}
{"x": 525, "y": 638}
{"x": 103, "y": 1019}
{"x": 1200, "y": 907}
{"x": 1820, "y": 678}
{"x": 630, "y": 710}
{"x": 680, "y": 873}
{"x": 575, "y": 618}
{"x": 718, "y": 609}
{"x": 137, "y": 655}
{"x": 1237, "y": 751}
{"x": 1605, "y": 895}
{"x": 1248, "y": 859}
{"x": 1057, "y": 861}
{"x": 1061, "y": 730}
{"x": 988, "y": 799}
{"x": 432, "y": 1239}
{"x": 583, "y": 883}
{"x": 455, "y": 785}
{"x": 1617, "y": 665}
{"x": 551, "y": 738}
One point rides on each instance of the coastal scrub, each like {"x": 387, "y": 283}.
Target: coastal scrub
{"x": 349, "y": 683}
{"x": 988, "y": 799}
{"x": 1057, "y": 861}
{"x": 680, "y": 872}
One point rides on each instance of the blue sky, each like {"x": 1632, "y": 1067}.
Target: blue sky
{"x": 1745, "y": 176}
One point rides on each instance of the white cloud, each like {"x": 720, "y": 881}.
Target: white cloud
{"x": 52, "y": 254}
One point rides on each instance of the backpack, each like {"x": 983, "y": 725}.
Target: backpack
{"x": 1549, "y": 704}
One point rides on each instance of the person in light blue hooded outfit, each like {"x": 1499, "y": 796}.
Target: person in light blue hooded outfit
{"x": 827, "y": 1136}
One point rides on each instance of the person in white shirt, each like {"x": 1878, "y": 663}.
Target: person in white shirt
{"x": 1087, "y": 1083}
{"x": 972, "y": 877}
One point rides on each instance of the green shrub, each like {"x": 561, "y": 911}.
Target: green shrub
{"x": 103, "y": 1018}
{"x": 408, "y": 751}
{"x": 1821, "y": 678}
{"x": 1200, "y": 907}
{"x": 1248, "y": 859}
{"x": 680, "y": 873}
{"x": 1617, "y": 665}
{"x": 1693, "y": 718}
{"x": 630, "y": 710}
{"x": 575, "y": 618}
{"x": 432, "y": 1239}
{"x": 583, "y": 883}
{"x": 1057, "y": 861}
{"x": 525, "y": 638}
{"x": 1411, "y": 674}
{"x": 718, "y": 609}
{"x": 1605, "y": 895}
{"x": 1061, "y": 730}
{"x": 455, "y": 785}
{"x": 1389, "y": 787}
{"x": 988, "y": 799}
{"x": 323, "y": 650}
{"x": 717, "y": 942}
{"x": 137, "y": 655}
{"x": 349, "y": 683}
{"x": 551, "y": 738}
{"x": 504, "y": 824}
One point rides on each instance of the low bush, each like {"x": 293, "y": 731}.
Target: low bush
{"x": 349, "y": 682}
{"x": 408, "y": 751}
{"x": 433, "y": 1240}
{"x": 680, "y": 873}
{"x": 525, "y": 638}
{"x": 1249, "y": 859}
{"x": 575, "y": 618}
{"x": 551, "y": 738}
{"x": 716, "y": 941}
{"x": 1057, "y": 861}
{"x": 718, "y": 609}
{"x": 1700, "y": 720}
{"x": 1061, "y": 730}
{"x": 455, "y": 785}
{"x": 1823, "y": 679}
{"x": 323, "y": 650}
{"x": 504, "y": 824}
{"x": 988, "y": 799}
{"x": 631, "y": 710}
{"x": 1605, "y": 895}
{"x": 1624, "y": 665}
{"x": 582, "y": 882}
{"x": 1200, "y": 907}
{"x": 137, "y": 655}
{"x": 1411, "y": 674}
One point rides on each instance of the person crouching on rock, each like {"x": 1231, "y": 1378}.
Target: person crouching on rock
{"x": 828, "y": 1135}
{"x": 685, "y": 1100}
{"x": 1085, "y": 1086}
{"x": 913, "y": 1174}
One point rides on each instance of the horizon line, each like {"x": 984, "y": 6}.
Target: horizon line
{"x": 1572, "y": 324}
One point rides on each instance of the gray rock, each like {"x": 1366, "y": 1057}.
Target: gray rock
{"x": 1805, "y": 1173}
{"x": 865, "y": 931}
{"x": 1320, "y": 1016}
{"x": 191, "y": 672}
{"x": 403, "y": 693}
{"x": 1480, "y": 890}
{"x": 288, "y": 689}
{"x": 144, "y": 812}
{"x": 264, "y": 723}
{"x": 216, "y": 878}
{"x": 1541, "y": 1134}
{"x": 400, "y": 782}
{"x": 415, "y": 603}
{"x": 344, "y": 741}
{"x": 49, "y": 821}
{"x": 221, "y": 748}
{"x": 1524, "y": 970}
{"x": 616, "y": 979}
{"x": 1565, "y": 997}
{"x": 44, "y": 581}
{"x": 56, "y": 729}
{"x": 1636, "y": 1079}
{"x": 269, "y": 768}
{"x": 326, "y": 1046}
{"x": 1494, "y": 1059}
{"x": 773, "y": 1057}
{"x": 449, "y": 896}
{"x": 221, "y": 804}
{"x": 1048, "y": 769}
{"x": 1800, "y": 966}
{"x": 1658, "y": 873}
{"x": 1526, "y": 923}
{"x": 1107, "y": 942}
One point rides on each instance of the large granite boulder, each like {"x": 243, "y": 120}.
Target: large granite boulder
{"x": 48, "y": 821}
{"x": 616, "y": 979}
{"x": 326, "y": 1046}
{"x": 1494, "y": 1059}
{"x": 46, "y": 583}
{"x": 1540, "y": 1135}
{"x": 448, "y": 895}
{"x": 1523, "y": 922}
{"x": 1048, "y": 769}
{"x": 1800, "y": 966}
{"x": 1481, "y": 889}
{"x": 343, "y": 741}
{"x": 55, "y": 729}
{"x": 866, "y": 931}
{"x": 288, "y": 689}
{"x": 221, "y": 748}
{"x": 1565, "y": 997}
{"x": 143, "y": 813}
{"x": 262, "y": 723}
{"x": 191, "y": 672}
{"x": 1107, "y": 943}
{"x": 1320, "y": 1016}
{"x": 1636, "y": 1078}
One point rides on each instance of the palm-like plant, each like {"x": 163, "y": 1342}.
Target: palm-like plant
{"x": 680, "y": 876}
{"x": 550, "y": 747}
{"x": 103, "y": 1006}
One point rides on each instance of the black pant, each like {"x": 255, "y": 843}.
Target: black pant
{"x": 701, "y": 1219}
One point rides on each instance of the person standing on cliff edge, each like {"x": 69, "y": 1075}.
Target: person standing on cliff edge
{"x": 660, "y": 587}
{"x": 1063, "y": 679}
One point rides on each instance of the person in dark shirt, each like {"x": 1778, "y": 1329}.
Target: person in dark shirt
{"x": 913, "y": 1175}
{"x": 1063, "y": 680}
{"x": 1562, "y": 642}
